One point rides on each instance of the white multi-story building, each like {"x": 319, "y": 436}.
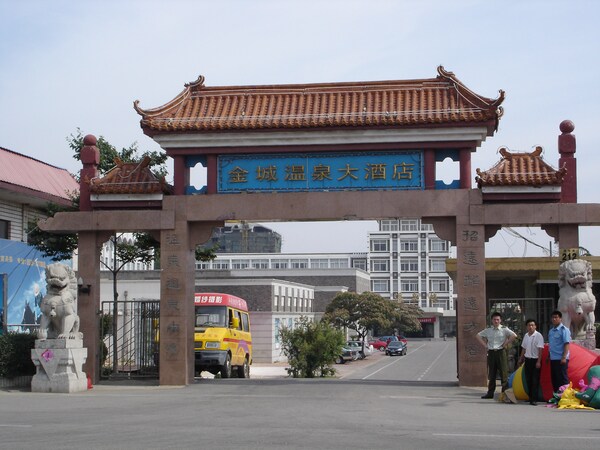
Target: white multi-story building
{"x": 407, "y": 262}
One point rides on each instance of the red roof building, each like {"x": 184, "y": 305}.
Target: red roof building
{"x": 31, "y": 181}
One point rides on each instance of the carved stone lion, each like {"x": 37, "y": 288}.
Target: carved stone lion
{"x": 59, "y": 319}
{"x": 576, "y": 301}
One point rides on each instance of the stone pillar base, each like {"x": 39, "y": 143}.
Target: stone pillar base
{"x": 58, "y": 364}
{"x": 589, "y": 342}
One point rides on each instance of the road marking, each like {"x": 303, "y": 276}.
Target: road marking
{"x": 393, "y": 362}
{"x": 10, "y": 425}
{"x": 431, "y": 365}
{"x": 516, "y": 436}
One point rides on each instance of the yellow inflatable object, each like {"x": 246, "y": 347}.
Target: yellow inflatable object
{"x": 569, "y": 401}
{"x": 518, "y": 386}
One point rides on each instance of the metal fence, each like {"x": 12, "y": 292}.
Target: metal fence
{"x": 129, "y": 339}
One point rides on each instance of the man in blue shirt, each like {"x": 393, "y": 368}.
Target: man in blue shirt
{"x": 559, "y": 338}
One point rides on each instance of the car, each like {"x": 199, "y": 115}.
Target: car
{"x": 348, "y": 354}
{"x": 396, "y": 348}
{"x": 364, "y": 348}
{"x": 378, "y": 344}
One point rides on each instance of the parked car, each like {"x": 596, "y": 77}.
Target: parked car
{"x": 396, "y": 348}
{"x": 364, "y": 348}
{"x": 378, "y": 344}
{"x": 348, "y": 354}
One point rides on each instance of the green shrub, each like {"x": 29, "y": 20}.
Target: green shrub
{"x": 311, "y": 348}
{"x": 15, "y": 354}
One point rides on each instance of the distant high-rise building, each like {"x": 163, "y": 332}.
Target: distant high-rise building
{"x": 244, "y": 237}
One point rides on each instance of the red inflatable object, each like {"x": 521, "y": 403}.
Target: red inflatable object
{"x": 580, "y": 361}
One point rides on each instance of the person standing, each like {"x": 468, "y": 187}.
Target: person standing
{"x": 531, "y": 354}
{"x": 496, "y": 339}
{"x": 559, "y": 338}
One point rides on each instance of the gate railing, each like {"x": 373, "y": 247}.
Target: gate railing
{"x": 129, "y": 346}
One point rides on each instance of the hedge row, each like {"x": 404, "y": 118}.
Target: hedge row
{"x": 15, "y": 354}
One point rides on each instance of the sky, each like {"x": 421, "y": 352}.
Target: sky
{"x": 68, "y": 65}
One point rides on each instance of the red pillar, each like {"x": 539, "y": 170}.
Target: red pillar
{"x": 566, "y": 148}
{"x": 465, "y": 168}
{"x": 181, "y": 175}
{"x": 429, "y": 168}
{"x": 90, "y": 158}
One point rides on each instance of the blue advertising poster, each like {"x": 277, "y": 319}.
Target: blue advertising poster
{"x": 401, "y": 170}
{"x": 24, "y": 285}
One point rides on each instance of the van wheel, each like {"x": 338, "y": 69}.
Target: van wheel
{"x": 226, "y": 369}
{"x": 244, "y": 370}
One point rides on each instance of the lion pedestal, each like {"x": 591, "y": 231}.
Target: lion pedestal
{"x": 58, "y": 364}
{"x": 59, "y": 354}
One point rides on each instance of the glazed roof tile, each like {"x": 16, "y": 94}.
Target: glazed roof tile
{"x": 129, "y": 178}
{"x": 520, "y": 169}
{"x": 39, "y": 178}
{"x": 439, "y": 101}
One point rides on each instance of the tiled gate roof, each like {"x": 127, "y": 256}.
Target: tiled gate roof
{"x": 439, "y": 101}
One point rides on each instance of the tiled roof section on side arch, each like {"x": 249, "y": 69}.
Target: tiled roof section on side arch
{"x": 520, "y": 169}
{"x": 129, "y": 178}
{"x": 443, "y": 100}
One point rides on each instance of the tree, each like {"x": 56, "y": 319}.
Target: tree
{"x": 407, "y": 317}
{"x": 360, "y": 312}
{"x": 370, "y": 311}
{"x": 311, "y": 348}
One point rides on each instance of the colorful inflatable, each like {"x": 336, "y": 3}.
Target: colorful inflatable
{"x": 581, "y": 361}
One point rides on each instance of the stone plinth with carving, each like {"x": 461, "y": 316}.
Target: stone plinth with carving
{"x": 59, "y": 366}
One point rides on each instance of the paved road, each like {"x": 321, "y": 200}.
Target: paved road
{"x": 425, "y": 361}
{"x": 355, "y": 412}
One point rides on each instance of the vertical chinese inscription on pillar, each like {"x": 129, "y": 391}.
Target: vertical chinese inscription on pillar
{"x": 471, "y": 285}
{"x": 171, "y": 297}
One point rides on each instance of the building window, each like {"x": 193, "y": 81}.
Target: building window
{"x": 437, "y": 265}
{"x": 4, "y": 229}
{"x": 438, "y": 285}
{"x": 260, "y": 264}
{"x": 409, "y": 265}
{"x": 380, "y": 265}
{"x": 409, "y": 225}
{"x": 360, "y": 264}
{"x": 318, "y": 264}
{"x": 279, "y": 264}
{"x": 380, "y": 285}
{"x": 426, "y": 227}
{"x": 240, "y": 264}
{"x": 409, "y": 285}
{"x": 380, "y": 245}
{"x": 438, "y": 245}
{"x": 409, "y": 245}
{"x": 299, "y": 263}
{"x": 389, "y": 225}
{"x": 338, "y": 263}
{"x": 220, "y": 265}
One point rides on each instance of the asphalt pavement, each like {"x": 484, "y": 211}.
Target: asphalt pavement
{"x": 271, "y": 411}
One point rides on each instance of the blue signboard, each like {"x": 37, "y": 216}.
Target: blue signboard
{"x": 24, "y": 285}
{"x": 290, "y": 172}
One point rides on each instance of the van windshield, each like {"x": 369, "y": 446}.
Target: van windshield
{"x": 211, "y": 316}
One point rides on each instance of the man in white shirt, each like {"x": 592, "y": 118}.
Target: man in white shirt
{"x": 496, "y": 339}
{"x": 531, "y": 354}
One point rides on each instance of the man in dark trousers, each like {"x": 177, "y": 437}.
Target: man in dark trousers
{"x": 559, "y": 338}
{"x": 496, "y": 339}
{"x": 531, "y": 354}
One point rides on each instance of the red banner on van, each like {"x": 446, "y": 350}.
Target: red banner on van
{"x": 215, "y": 299}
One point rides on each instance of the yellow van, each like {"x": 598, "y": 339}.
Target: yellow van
{"x": 222, "y": 339}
